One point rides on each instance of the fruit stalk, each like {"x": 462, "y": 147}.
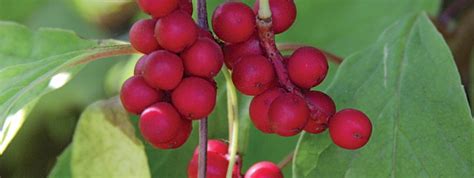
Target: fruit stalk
{"x": 233, "y": 122}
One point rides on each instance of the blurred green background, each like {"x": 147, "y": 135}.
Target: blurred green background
{"x": 49, "y": 128}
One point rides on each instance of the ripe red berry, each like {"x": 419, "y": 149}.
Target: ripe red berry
{"x": 259, "y": 109}
{"x": 283, "y": 14}
{"x": 181, "y": 137}
{"x": 142, "y": 36}
{"x": 350, "y": 129}
{"x": 216, "y": 146}
{"x": 216, "y": 166}
{"x": 140, "y": 65}
{"x": 233, "y": 22}
{"x": 233, "y": 52}
{"x": 158, "y": 8}
{"x": 176, "y": 31}
{"x": 136, "y": 95}
{"x": 264, "y": 169}
{"x": 194, "y": 98}
{"x": 160, "y": 123}
{"x": 307, "y": 67}
{"x": 288, "y": 114}
{"x": 205, "y": 34}
{"x": 314, "y": 127}
{"x": 253, "y": 75}
{"x": 164, "y": 70}
{"x": 324, "y": 105}
{"x": 203, "y": 59}
{"x": 186, "y": 6}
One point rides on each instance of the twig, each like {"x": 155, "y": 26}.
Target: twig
{"x": 232, "y": 108}
{"x": 288, "y": 158}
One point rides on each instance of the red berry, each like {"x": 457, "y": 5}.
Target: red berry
{"x": 205, "y": 34}
{"x": 158, "y": 8}
{"x": 350, "y": 129}
{"x": 259, "y": 109}
{"x": 176, "y": 31}
{"x": 216, "y": 166}
{"x": 233, "y": 52}
{"x": 233, "y": 22}
{"x": 136, "y": 95}
{"x": 216, "y": 146}
{"x": 314, "y": 127}
{"x": 160, "y": 123}
{"x": 194, "y": 98}
{"x": 283, "y": 14}
{"x": 264, "y": 169}
{"x": 164, "y": 70}
{"x": 140, "y": 65}
{"x": 142, "y": 36}
{"x": 203, "y": 59}
{"x": 253, "y": 75}
{"x": 180, "y": 138}
{"x": 325, "y": 107}
{"x": 307, "y": 67}
{"x": 186, "y": 6}
{"x": 288, "y": 114}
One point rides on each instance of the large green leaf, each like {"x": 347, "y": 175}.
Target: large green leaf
{"x": 34, "y": 63}
{"x": 104, "y": 145}
{"x": 407, "y": 83}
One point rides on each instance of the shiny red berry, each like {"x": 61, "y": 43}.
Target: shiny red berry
{"x": 288, "y": 114}
{"x": 194, "y": 98}
{"x": 233, "y": 52}
{"x": 307, "y": 67}
{"x": 259, "y": 109}
{"x": 160, "y": 123}
{"x": 180, "y": 138}
{"x": 253, "y": 75}
{"x": 163, "y": 70}
{"x": 264, "y": 169}
{"x": 186, "y": 6}
{"x": 203, "y": 59}
{"x": 176, "y": 31}
{"x": 158, "y": 8}
{"x": 136, "y": 95}
{"x": 216, "y": 166}
{"x": 140, "y": 65}
{"x": 350, "y": 129}
{"x": 216, "y": 146}
{"x": 324, "y": 105}
{"x": 233, "y": 22}
{"x": 283, "y": 14}
{"x": 142, "y": 36}
{"x": 314, "y": 127}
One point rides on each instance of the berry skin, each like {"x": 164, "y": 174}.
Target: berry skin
{"x": 233, "y": 22}
{"x": 164, "y": 70}
{"x": 160, "y": 123}
{"x": 253, "y": 75}
{"x": 264, "y": 169}
{"x": 216, "y": 146}
{"x": 181, "y": 137}
{"x": 233, "y": 52}
{"x": 176, "y": 31}
{"x": 259, "y": 109}
{"x": 216, "y": 166}
{"x": 350, "y": 129}
{"x": 307, "y": 67}
{"x": 136, "y": 95}
{"x": 158, "y": 8}
{"x": 140, "y": 65}
{"x": 314, "y": 127}
{"x": 323, "y": 104}
{"x": 283, "y": 14}
{"x": 142, "y": 36}
{"x": 194, "y": 98}
{"x": 203, "y": 59}
{"x": 288, "y": 114}
{"x": 186, "y": 6}
{"x": 205, "y": 34}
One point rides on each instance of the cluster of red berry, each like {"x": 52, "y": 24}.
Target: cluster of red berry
{"x": 173, "y": 82}
{"x": 218, "y": 161}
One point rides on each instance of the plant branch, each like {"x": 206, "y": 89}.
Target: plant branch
{"x": 288, "y": 158}
{"x": 116, "y": 50}
{"x": 203, "y": 131}
{"x": 293, "y": 46}
{"x": 232, "y": 115}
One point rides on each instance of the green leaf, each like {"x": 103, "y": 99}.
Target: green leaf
{"x": 62, "y": 168}
{"x": 407, "y": 83}
{"x": 18, "y": 10}
{"x": 34, "y": 63}
{"x": 347, "y": 26}
{"x": 104, "y": 144}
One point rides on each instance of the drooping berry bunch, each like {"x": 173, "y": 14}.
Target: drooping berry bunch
{"x": 173, "y": 82}
{"x": 283, "y": 101}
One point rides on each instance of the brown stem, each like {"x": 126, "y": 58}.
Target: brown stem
{"x": 116, "y": 50}
{"x": 287, "y": 160}
{"x": 294, "y": 46}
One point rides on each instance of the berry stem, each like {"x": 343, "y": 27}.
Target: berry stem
{"x": 232, "y": 115}
{"x": 293, "y": 46}
{"x": 288, "y": 158}
{"x": 203, "y": 131}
